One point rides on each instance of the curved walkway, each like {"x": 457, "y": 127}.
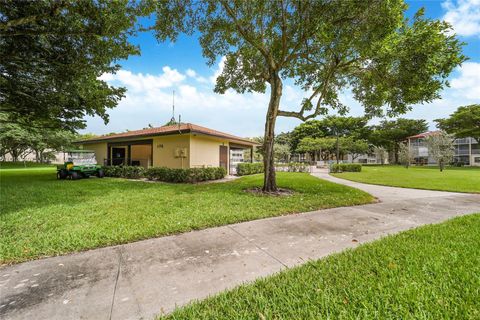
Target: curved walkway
{"x": 142, "y": 279}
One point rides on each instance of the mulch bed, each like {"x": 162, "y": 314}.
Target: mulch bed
{"x": 281, "y": 192}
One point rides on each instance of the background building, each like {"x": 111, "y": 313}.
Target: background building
{"x": 467, "y": 150}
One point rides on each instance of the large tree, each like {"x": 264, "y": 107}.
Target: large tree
{"x": 53, "y": 53}
{"x": 325, "y": 147}
{"x": 389, "y": 134}
{"x": 463, "y": 123}
{"x": 387, "y": 61}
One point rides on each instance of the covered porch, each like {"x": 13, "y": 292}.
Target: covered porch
{"x": 130, "y": 153}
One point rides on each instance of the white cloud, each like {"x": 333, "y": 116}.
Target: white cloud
{"x": 467, "y": 85}
{"x": 146, "y": 82}
{"x": 218, "y": 71}
{"x": 464, "y": 16}
{"x": 193, "y": 74}
{"x": 149, "y": 100}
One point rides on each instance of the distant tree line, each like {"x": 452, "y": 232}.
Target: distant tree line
{"x": 20, "y": 141}
{"x": 335, "y": 136}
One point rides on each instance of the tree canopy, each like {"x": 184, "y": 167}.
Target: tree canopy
{"x": 387, "y": 61}
{"x": 326, "y": 147}
{"x": 463, "y": 123}
{"x": 389, "y": 134}
{"x": 53, "y": 53}
{"x": 330, "y": 126}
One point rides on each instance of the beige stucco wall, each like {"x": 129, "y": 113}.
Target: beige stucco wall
{"x": 100, "y": 150}
{"x": 164, "y": 151}
{"x": 205, "y": 151}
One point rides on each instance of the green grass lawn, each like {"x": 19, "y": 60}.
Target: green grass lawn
{"x": 431, "y": 272}
{"x": 466, "y": 179}
{"x": 23, "y": 165}
{"x": 42, "y": 216}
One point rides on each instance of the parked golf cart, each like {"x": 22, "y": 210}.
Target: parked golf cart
{"x": 79, "y": 164}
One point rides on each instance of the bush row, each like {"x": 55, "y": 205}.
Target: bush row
{"x": 190, "y": 175}
{"x": 246, "y": 168}
{"x": 293, "y": 167}
{"x": 165, "y": 174}
{"x": 129, "y": 172}
{"x": 346, "y": 167}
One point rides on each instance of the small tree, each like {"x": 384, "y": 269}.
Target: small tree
{"x": 15, "y": 140}
{"x": 380, "y": 153}
{"x": 354, "y": 147}
{"x": 405, "y": 155}
{"x": 282, "y": 152}
{"x": 309, "y": 145}
{"x": 440, "y": 148}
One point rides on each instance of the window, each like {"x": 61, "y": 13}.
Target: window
{"x": 476, "y": 159}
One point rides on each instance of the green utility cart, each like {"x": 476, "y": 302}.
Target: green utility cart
{"x": 79, "y": 164}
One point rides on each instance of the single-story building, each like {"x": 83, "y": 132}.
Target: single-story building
{"x": 184, "y": 145}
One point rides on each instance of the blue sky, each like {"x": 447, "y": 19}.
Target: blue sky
{"x": 164, "y": 67}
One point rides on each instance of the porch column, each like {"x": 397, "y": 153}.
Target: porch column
{"x": 251, "y": 154}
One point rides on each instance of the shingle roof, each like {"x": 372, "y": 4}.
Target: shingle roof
{"x": 167, "y": 130}
{"x": 424, "y": 134}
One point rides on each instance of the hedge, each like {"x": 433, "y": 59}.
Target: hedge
{"x": 345, "y": 167}
{"x": 292, "y": 167}
{"x": 190, "y": 175}
{"x": 246, "y": 168}
{"x": 129, "y": 172}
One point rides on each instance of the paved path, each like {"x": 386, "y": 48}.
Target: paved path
{"x": 141, "y": 279}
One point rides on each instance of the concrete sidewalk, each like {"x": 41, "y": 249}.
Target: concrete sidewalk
{"x": 142, "y": 279}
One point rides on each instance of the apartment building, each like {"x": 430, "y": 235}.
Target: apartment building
{"x": 467, "y": 150}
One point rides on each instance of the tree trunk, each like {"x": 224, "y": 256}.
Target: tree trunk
{"x": 395, "y": 153}
{"x": 14, "y": 154}
{"x": 269, "y": 180}
{"x": 337, "y": 155}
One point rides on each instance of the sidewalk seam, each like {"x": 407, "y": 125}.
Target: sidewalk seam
{"x": 116, "y": 281}
{"x": 258, "y": 247}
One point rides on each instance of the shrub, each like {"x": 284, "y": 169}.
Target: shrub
{"x": 246, "y": 168}
{"x": 346, "y": 167}
{"x": 292, "y": 167}
{"x": 190, "y": 175}
{"x": 129, "y": 172}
